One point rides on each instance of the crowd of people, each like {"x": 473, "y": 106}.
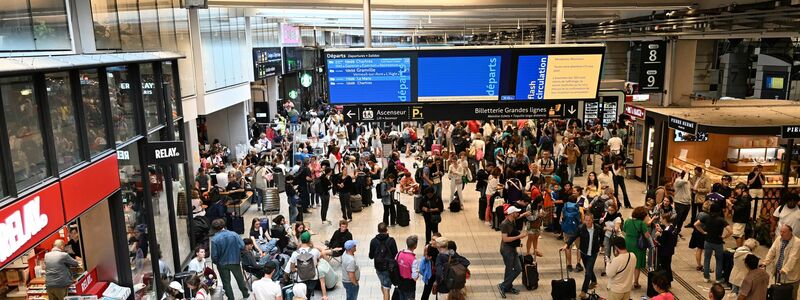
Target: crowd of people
{"x": 530, "y": 179}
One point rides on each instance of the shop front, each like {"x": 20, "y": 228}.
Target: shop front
{"x": 731, "y": 142}
{"x": 73, "y": 130}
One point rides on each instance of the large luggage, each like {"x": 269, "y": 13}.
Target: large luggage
{"x": 355, "y": 203}
{"x": 779, "y": 291}
{"x": 271, "y": 204}
{"x": 403, "y": 217}
{"x": 530, "y": 272}
{"x": 418, "y": 204}
{"x": 436, "y": 147}
{"x": 564, "y": 288}
{"x": 236, "y": 224}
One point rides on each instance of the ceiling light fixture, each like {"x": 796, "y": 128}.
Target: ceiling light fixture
{"x": 429, "y": 18}
{"x": 490, "y": 27}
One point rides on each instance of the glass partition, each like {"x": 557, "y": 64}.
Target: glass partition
{"x": 135, "y": 212}
{"x": 122, "y": 110}
{"x": 24, "y": 131}
{"x": 106, "y": 24}
{"x": 168, "y": 88}
{"x": 129, "y": 25}
{"x": 15, "y": 26}
{"x": 93, "y": 111}
{"x": 149, "y": 18}
{"x": 153, "y": 115}
{"x": 50, "y": 29}
{"x": 63, "y": 119}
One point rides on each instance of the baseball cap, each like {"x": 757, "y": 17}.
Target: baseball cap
{"x": 305, "y": 237}
{"x": 350, "y": 244}
{"x": 512, "y": 209}
{"x": 176, "y": 285}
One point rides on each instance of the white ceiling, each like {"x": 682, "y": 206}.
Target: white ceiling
{"x": 391, "y": 17}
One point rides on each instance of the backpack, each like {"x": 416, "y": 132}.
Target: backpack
{"x": 418, "y": 176}
{"x": 455, "y": 274}
{"x": 378, "y": 193}
{"x": 597, "y": 207}
{"x": 384, "y": 261}
{"x": 455, "y": 205}
{"x": 306, "y": 268}
{"x": 651, "y": 193}
{"x": 572, "y": 218}
{"x": 405, "y": 260}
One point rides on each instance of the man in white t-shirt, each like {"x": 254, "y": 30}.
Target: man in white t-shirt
{"x": 266, "y": 288}
{"x": 296, "y": 265}
{"x": 788, "y": 214}
{"x": 620, "y": 271}
{"x": 615, "y": 144}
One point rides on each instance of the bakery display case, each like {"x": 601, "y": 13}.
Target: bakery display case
{"x": 774, "y": 179}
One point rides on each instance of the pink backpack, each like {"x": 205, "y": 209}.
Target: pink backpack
{"x": 404, "y": 262}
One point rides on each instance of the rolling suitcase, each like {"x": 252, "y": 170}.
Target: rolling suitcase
{"x": 403, "y": 217}
{"x": 418, "y": 204}
{"x": 236, "y": 224}
{"x": 564, "y": 288}
{"x": 779, "y": 290}
{"x": 355, "y": 203}
{"x": 530, "y": 272}
{"x": 651, "y": 290}
{"x": 436, "y": 147}
{"x": 271, "y": 204}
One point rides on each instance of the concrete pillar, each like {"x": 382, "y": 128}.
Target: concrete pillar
{"x": 367, "y": 24}
{"x": 548, "y": 26}
{"x": 81, "y": 27}
{"x": 679, "y": 75}
{"x": 559, "y": 19}
{"x": 197, "y": 56}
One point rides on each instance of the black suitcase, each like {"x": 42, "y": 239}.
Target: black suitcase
{"x": 727, "y": 264}
{"x": 564, "y": 288}
{"x": 418, "y": 204}
{"x": 780, "y": 291}
{"x": 236, "y": 224}
{"x": 530, "y": 272}
{"x": 403, "y": 217}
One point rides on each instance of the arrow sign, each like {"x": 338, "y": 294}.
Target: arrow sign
{"x": 571, "y": 110}
{"x": 350, "y": 114}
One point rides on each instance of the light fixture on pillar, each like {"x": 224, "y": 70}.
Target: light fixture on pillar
{"x": 420, "y": 24}
{"x": 490, "y": 27}
{"x": 429, "y": 18}
{"x": 518, "y": 24}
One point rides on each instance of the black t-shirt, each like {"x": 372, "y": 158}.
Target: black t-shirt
{"x": 715, "y": 225}
{"x": 741, "y": 209}
{"x": 756, "y": 183}
{"x": 508, "y": 228}
{"x": 76, "y": 248}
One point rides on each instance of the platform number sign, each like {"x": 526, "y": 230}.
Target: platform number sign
{"x": 651, "y": 77}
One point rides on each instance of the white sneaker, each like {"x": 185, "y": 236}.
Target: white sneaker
{"x": 706, "y": 280}
{"x": 487, "y": 223}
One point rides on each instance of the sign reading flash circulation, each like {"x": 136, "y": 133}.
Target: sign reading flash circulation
{"x": 790, "y": 132}
{"x": 683, "y": 125}
{"x": 558, "y": 77}
{"x": 164, "y": 153}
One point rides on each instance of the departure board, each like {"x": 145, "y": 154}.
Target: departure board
{"x": 463, "y": 78}
{"x": 369, "y": 77}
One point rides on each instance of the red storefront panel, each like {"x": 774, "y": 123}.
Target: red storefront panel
{"x": 28, "y": 221}
{"x": 87, "y": 187}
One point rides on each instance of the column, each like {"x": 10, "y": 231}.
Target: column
{"x": 367, "y": 24}
{"x": 679, "y": 75}
{"x": 548, "y": 26}
{"x": 559, "y": 19}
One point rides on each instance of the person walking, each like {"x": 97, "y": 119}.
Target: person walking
{"x": 387, "y": 189}
{"x": 572, "y": 154}
{"x": 510, "y": 240}
{"x": 351, "y": 273}
{"x": 782, "y": 259}
{"x": 408, "y": 267}
{"x": 620, "y": 271}
{"x": 57, "y": 265}
{"x": 619, "y": 181}
{"x": 635, "y": 229}
{"x": 322, "y": 189}
{"x": 382, "y": 249}
{"x": 716, "y": 231}
{"x": 755, "y": 284}
{"x": 226, "y": 248}
{"x": 432, "y": 208}
{"x": 590, "y": 239}
{"x": 612, "y": 227}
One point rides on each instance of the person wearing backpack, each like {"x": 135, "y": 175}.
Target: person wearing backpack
{"x": 590, "y": 237}
{"x": 382, "y": 250}
{"x": 408, "y": 267}
{"x": 303, "y": 263}
{"x": 451, "y": 270}
{"x": 569, "y": 226}
{"x": 386, "y": 191}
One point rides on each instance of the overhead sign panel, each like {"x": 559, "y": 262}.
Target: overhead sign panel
{"x": 790, "y": 132}
{"x": 462, "y": 111}
{"x": 370, "y": 77}
{"x": 558, "y": 77}
{"x": 463, "y": 78}
{"x": 651, "y": 76}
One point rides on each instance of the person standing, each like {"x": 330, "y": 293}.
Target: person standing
{"x": 667, "y": 240}
{"x": 716, "y": 231}
{"x": 382, "y": 249}
{"x": 619, "y": 181}
{"x": 755, "y": 182}
{"x": 636, "y": 228}
{"x": 590, "y": 239}
{"x": 682, "y": 199}
{"x": 387, "y": 189}
{"x": 787, "y": 214}
{"x": 57, "y": 264}
{"x": 260, "y": 181}
{"x": 408, "y": 266}
{"x": 226, "y": 248}
{"x": 741, "y": 212}
{"x": 740, "y": 270}
{"x": 345, "y": 186}
{"x": 323, "y": 188}
{"x": 700, "y": 187}
{"x": 351, "y": 273}
{"x": 571, "y": 153}
{"x": 459, "y": 169}
{"x": 73, "y": 246}
{"x": 432, "y": 208}
{"x": 782, "y": 259}
{"x": 265, "y": 288}
{"x": 620, "y": 271}
{"x": 510, "y": 240}
{"x": 756, "y": 283}
{"x": 303, "y": 263}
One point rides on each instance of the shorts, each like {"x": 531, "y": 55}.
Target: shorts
{"x": 738, "y": 230}
{"x": 385, "y": 278}
{"x": 757, "y": 193}
{"x": 568, "y": 236}
{"x": 534, "y": 230}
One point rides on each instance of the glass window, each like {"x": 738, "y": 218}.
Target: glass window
{"x": 168, "y": 88}
{"x": 63, "y": 119}
{"x": 164, "y": 248}
{"x": 122, "y": 111}
{"x": 206, "y": 37}
{"x": 149, "y": 18}
{"x": 106, "y": 24}
{"x": 166, "y": 24}
{"x": 15, "y": 26}
{"x": 129, "y": 26}
{"x": 24, "y": 131}
{"x": 152, "y": 103}
{"x": 93, "y": 111}
{"x": 219, "y": 47}
{"x": 135, "y": 211}
{"x": 50, "y": 30}
{"x": 183, "y": 202}
{"x": 185, "y": 66}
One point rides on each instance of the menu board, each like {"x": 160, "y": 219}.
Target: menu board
{"x": 590, "y": 111}
{"x": 266, "y": 62}
{"x": 552, "y": 77}
{"x": 369, "y": 77}
{"x": 463, "y": 78}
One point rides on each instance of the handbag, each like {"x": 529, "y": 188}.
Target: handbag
{"x": 642, "y": 242}
{"x": 464, "y": 179}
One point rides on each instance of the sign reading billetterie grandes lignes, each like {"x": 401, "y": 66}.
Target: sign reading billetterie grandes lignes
{"x": 164, "y": 153}
{"x": 682, "y": 125}
{"x": 463, "y": 74}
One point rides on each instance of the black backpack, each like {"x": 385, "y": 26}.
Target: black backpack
{"x": 455, "y": 205}
{"x": 378, "y": 193}
{"x": 383, "y": 260}
{"x": 418, "y": 175}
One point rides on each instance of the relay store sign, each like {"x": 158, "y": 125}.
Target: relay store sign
{"x": 683, "y": 125}
{"x": 635, "y": 111}
{"x": 164, "y": 153}
{"x": 28, "y": 221}
{"x": 790, "y": 132}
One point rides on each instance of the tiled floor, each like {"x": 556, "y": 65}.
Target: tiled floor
{"x": 480, "y": 244}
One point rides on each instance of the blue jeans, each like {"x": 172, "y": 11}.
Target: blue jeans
{"x": 385, "y": 278}
{"x": 588, "y": 263}
{"x": 512, "y": 266}
{"x": 717, "y": 249}
{"x": 351, "y": 290}
{"x": 292, "y": 213}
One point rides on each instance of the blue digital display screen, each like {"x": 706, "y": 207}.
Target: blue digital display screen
{"x": 459, "y": 78}
{"x": 531, "y": 77}
{"x": 365, "y": 78}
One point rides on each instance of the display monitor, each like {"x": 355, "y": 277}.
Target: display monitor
{"x": 370, "y": 77}
{"x": 774, "y": 83}
{"x": 461, "y": 78}
{"x": 558, "y": 76}
{"x": 681, "y": 136}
